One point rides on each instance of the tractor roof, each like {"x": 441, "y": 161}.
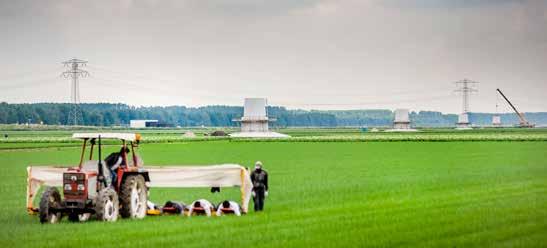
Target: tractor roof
{"x": 121, "y": 136}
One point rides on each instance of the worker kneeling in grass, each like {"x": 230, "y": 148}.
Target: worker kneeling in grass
{"x": 201, "y": 207}
{"x": 173, "y": 207}
{"x": 228, "y": 207}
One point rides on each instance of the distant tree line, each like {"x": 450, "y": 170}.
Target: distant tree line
{"x": 108, "y": 114}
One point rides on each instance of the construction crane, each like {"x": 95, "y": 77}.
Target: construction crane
{"x": 523, "y": 121}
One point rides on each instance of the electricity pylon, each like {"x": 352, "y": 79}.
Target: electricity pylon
{"x": 466, "y": 87}
{"x": 74, "y": 72}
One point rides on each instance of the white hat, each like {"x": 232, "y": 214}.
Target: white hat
{"x": 258, "y": 164}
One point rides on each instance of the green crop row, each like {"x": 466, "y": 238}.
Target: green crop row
{"x": 333, "y": 138}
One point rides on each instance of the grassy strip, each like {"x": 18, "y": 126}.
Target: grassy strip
{"x": 362, "y": 138}
{"x": 389, "y": 138}
{"x": 29, "y": 137}
{"x": 30, "y": 145}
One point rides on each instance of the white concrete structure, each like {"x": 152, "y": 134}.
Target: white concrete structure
{"x": 463, "y": 122}
{"x": 255, "y": 108}
{"x": 254, "y": 123}
{"x": 254, "y": 115}
{"x": 463, "y": 118}
{"x": 496, "y": 120}
{"x": 142, "y": 123}
{"x": 402, "y": 120}
{"x": 401, "y": 123}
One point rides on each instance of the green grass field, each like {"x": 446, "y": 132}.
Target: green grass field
{"x": 421, "y": 194}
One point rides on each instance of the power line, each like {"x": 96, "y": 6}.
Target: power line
{"x": 129, "y": 78}
{"x": 130, "y": 75}
{"x": 31, "y": 83}
{"x": 26, "y": 74}
{"x": 154, "y": 86}
{"x": 154, "y": 81}
{"x": 365, "y": 103}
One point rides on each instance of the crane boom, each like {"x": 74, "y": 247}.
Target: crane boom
{"x": 523, "y": 121}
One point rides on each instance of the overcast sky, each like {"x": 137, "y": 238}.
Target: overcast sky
{"x": 311, "y": 54}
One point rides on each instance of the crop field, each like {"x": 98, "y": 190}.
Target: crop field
{"x": 323, "y": 194}
{"x": 37, "y": 136}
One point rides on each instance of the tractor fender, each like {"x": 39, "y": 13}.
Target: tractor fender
{"x": 143, "y": 173}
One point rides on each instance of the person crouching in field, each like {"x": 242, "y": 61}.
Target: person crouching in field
{"x": 259, "y": 177}
{"x": 228, "y": 207}
{"x": 201, "y": 207}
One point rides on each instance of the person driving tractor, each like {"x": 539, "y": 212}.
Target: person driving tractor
{"x": 114, "y": 160}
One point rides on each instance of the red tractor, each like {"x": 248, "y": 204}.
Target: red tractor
{"x": 96, "y": 188}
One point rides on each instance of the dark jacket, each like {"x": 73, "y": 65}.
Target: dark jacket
{"x": 112, "y": 159}
{"x": 260, "y": 179}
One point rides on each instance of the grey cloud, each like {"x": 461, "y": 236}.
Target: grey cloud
{"x": 293, "y": 52}
{"x": 447, "y": 3}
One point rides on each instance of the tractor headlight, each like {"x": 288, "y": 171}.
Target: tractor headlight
{"x": 81, "y": 187}
{"x": 68, "y": 187}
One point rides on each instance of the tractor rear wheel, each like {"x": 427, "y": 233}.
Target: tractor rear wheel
{"x": 51, "y": 200}
{"x": 133, "y": 197}
{"x": 107, "y": 205}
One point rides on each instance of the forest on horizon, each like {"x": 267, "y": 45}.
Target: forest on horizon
{"x": 110, "y": 114}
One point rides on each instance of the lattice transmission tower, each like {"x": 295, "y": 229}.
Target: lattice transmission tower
{"x": 74, "y": 73}
{"x": 465, "y": 88}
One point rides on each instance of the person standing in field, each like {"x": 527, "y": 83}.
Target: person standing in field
{"x": 259, "y": 177}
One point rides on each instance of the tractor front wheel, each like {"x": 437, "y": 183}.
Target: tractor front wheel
{"x": 133, "y": 197}
{"x": 50, "y": 202}
{"x": 107, "y": 205}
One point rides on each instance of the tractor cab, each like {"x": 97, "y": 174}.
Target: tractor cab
{"x": 102, "y": 186}
{"x": 130, "y": 163}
